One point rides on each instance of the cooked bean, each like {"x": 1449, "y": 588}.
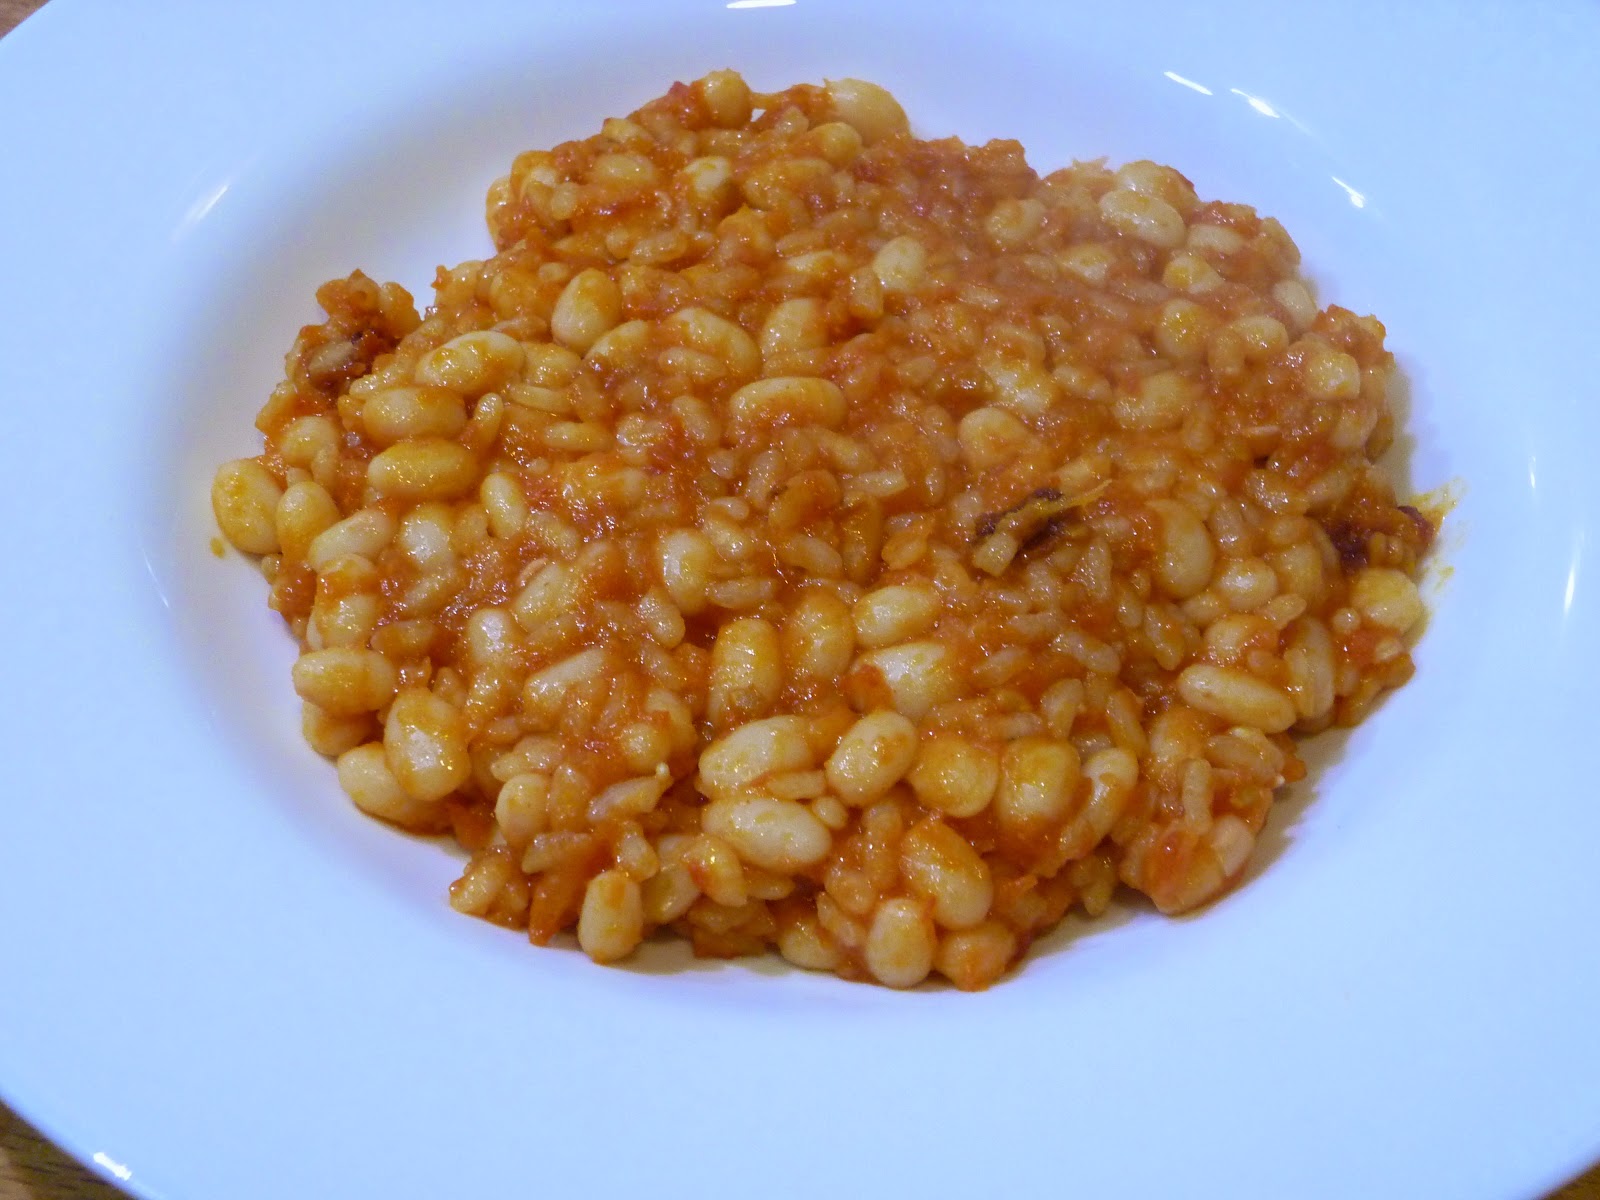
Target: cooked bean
{"x": 709, "y": 182}
{"x": 472, "y": 364}
{"x": 304, "y": 512}
{"x": 786, "y": 401}
{"x": 900, "y": 944}
{"x": 900, "y": 264}
{"x": 726, "y": 97}
{"x": 715, "y": 869}
{"x": 896, "y": 613}
{"x": 365, "y": 776}
{"x": 804, "y": 942}
{"x": 778, "y": 835}
{"x": 546, "y": 690}
{"x": 751, "y": 752}
{"x": 872, "y": 757}
{"x": 1187, "y": 556}
{"x": 794, "y": 325}
{"x": 425, "y": 744}
{"x": 1309, "y": 658}
{"x": 819, "y": 635}
{"x": 991, "y": 437}
{"x": 974, "y": 958}
{"x": 364, "y": 533}
{"x": 1142, "y": 216}
{"x": 306, "y": 439}
{"x": 716, "y": 336}
{"x": 344, "y": 680}
{"x": 1387, "y": 598}
{"x": 687, "y": 562}
{"x": 424, "y": 469}
{"x": 1330, "y": 374}
{"x": 244, "y": 499}
{"x": 395, "y": 414}
{"x": 589, "y": 306}
{"x": 955, "y": 776}
{"x": 522, "y": 807}
{"x": 911, "y": 678}
{"x": 1236, "y": 696}
{"x": 746, "y": 672}
{"x": 668, "y": 894}
{"x": 943, "y": 868}
{"x": 867, "y": 108}
{"x": 1037, "y": 780}
{"x": 611, "y": 924}
{"x": 331, "y": 735}
{"x": 1162, "y": 401}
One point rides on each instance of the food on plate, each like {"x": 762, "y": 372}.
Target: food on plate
{"x": 800, "y": 534}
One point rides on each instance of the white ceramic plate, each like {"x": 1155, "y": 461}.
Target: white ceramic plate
{"x": 217, "y": 980}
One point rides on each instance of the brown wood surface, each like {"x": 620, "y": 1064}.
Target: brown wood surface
{"x": 32, "y": 1169}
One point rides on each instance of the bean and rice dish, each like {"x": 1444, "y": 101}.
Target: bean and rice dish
{"x": 803, "y": 535}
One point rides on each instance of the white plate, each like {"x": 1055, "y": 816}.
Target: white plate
{"x": 217, "y": 980}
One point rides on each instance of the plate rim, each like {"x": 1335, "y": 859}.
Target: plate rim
{"x": 69, "y": 22}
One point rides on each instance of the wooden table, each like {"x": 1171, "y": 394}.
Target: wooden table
{"x": 32, "y": 1169}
